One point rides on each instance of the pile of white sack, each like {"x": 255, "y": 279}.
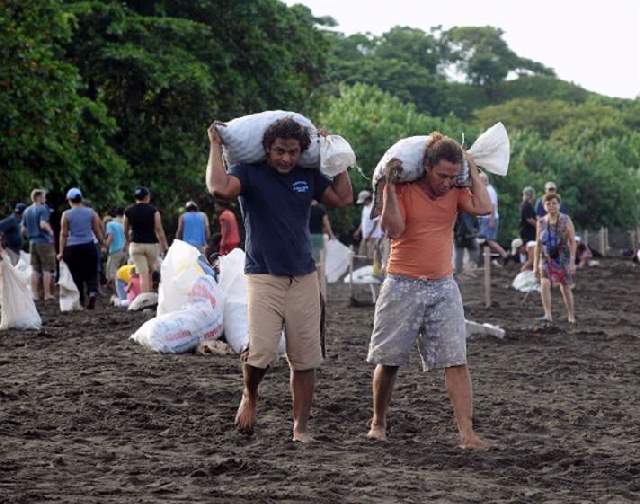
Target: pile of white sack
{"x": 18, "y": 309}
{"x": 242, "y": 139}
{"x": 491, "y": 151}
{"x": 194, "y": 309}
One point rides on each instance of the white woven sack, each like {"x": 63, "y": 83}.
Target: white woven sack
{"x": 410, "y": 151}
{"x": 492, "y": 150}
{"x": 242, "y": 138}
{"x": 69, "y": 294}
{"x": 18, "y": 309}
{"x": 336, "y": 155}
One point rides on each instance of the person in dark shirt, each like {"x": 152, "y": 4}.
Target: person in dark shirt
{"x": 10, "y": 232}
{"x": 275, "y": 199}
{"x": 549, "y": 188}
{"x": 143, "y": 229}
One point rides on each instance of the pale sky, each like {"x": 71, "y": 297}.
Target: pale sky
{"x": 593, "y": 44}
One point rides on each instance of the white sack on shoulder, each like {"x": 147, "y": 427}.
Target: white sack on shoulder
{"x": 18, "y": 309}
{"x": 242, "y": 138}
{"x": 336, "y": 155}
{"x": 69, "y": 294}
{"x": 410, "y": 152}
{"x": 491, "y": 150}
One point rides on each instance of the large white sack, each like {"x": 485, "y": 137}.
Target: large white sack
{"x": 183, "y": 330}
{"x": 336, "y": 155}
{"x": 69, "y": 294}
{"x": 526, "y": 281}
{"x": 242, "y": 138}
{"x": 178, "y": 274}
{"x": 492, "y": 150}
{"x": 18, "y": 308}
{"x": 336, "y": 260}
{"x": 233, "y": 284}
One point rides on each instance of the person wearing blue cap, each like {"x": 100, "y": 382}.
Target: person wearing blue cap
{"x": 10, "y": 234}
{"x": 36, "y": 226}
{"x": 78, "y": 227}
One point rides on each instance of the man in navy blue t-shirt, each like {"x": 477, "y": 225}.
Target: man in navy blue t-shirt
{"x": 283, "y": 292}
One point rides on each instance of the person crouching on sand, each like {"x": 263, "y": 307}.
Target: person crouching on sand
{"x": 275, "y": 196}
{"x": 419, "y": 297}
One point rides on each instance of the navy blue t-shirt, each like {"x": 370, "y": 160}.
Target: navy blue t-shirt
{"x": 275, "y": 210}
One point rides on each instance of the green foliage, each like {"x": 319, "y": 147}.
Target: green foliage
{"x": 51, "y": 136}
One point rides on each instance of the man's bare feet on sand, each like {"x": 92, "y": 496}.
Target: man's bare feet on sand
{"x": 377, "y": 432}
{"x": 473, "y": 442}
{"x": 246, "y": 416}
{"x": 302, "y": 437}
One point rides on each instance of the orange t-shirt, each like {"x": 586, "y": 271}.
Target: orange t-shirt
{"x": 425, "y": 249}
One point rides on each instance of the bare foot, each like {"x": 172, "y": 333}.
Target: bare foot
{"x": 473, "y": 442}
{"x": 246, "y": 416}
{"x": 302, "y": 437}
{"x": 377, "y": 432}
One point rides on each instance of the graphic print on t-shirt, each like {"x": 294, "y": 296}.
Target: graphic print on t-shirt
{"x": 301, "y": 186}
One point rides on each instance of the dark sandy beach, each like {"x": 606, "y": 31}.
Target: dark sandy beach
{"x": 88, "y": 416}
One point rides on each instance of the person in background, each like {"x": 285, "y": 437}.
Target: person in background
{"x": 115, "y": 243}
{"x": 123, "y": 278}
{"x": 319, "y": 226}
{"x": 489, "y": 224}
{"x": 193, "y": 226}
{"x": 78, "y": 227}
{"x": 465, "y": 233}
{"x": 229, "y": 230}
{"x": 143, "y": 228}
{"x": 38, "y": 230}
{"x": 554, "y": 260}
{"x": 583, "y": 253}
{"x": 549, "y": 188}
{"x": 11, "y": 233}
{"x": 369, "y": 230}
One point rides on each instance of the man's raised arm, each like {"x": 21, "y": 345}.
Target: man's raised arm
{"x": 218, "y": 181}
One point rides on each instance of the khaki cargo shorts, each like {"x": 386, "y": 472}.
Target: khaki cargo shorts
{"x": 428, "y": 312}
{"x": 43, "y": 257}
{"x": 144, "y": 256}
{"x": 290, "y": 303}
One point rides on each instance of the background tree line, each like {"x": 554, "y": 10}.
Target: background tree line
{"x": 110, "y": 94}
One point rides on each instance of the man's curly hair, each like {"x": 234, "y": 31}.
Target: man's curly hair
{"x": 286, "y": 128}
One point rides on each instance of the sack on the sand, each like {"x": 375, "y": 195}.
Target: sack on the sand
{"x": 233, "y": 284}
{"x": 143, "y": 300}
{"x": 526, "y": 281}
{"x": 69, "y": 294}
{"x": 476, "y": 329}
{"x": 336, "y": 155}
{"x": 183, "y": 330}
{"x": 336, "y": 262}
{"x": 363, "y": 275}
{"x": 242, "y": 138}
{"x": 179, "y": 272}
{"x": 18, "y": 309}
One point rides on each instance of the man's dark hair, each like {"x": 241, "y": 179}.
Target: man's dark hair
{"x": 441, "y": 147}
{"x": 288, "y": 129}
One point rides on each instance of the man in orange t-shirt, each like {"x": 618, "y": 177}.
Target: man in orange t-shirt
{"x": 419, "y": 298}
{"x": 229, "y": 230}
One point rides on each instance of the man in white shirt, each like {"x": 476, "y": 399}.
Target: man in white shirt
{"x": 489, "y": 223}
{"x": 369, "y": 229}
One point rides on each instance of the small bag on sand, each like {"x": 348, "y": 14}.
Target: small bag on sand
{"x": 18, "y": 309}
{"x": 336, "y": 155}
{"x": 69, "y": 294}
{"x": 242, "y": 138}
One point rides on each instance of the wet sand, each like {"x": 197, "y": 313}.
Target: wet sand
{"x": 88, "y": 416}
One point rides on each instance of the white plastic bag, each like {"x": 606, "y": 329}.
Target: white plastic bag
{"x": 183, "y": 330}
{"x": 410, "y": 151}
{"x": 18, "y": 309}
{"x": 242, "y": 138}
{"x": 526, "y": 281}
{"x": 492, "y": 150}
{"x": 233, "y": 284}
{"x": 69, "y": 294}
{"x": 178, "y": 274}
{"x": 142, "y": 301}
{"x": 474, "y": 328}
{"x": 363, "y": 275}
{"x": 336, "y": 261}
{"x": 336, "y": 155}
